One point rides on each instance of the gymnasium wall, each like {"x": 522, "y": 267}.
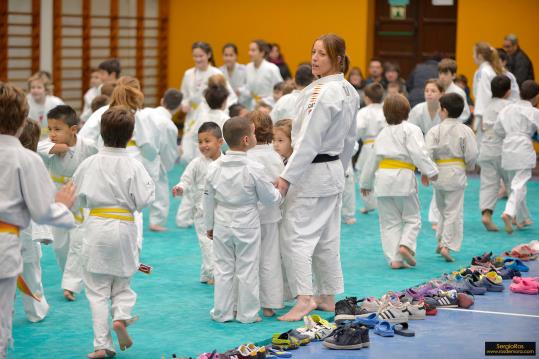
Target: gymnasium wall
{"x": 292, "y": 24}
{"x": 490, "y": 21}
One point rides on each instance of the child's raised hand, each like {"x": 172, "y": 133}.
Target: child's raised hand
{"x": 59, "y": 148}
{"x": 177, "y": 191}
{"x": 425, "y": 180}
{"x": 66, "y": 194}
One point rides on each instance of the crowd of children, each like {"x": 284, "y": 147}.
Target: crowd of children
{"x": 268, "y": 172}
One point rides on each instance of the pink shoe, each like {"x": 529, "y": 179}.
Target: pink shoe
{"x": 525, "y": 287}
{"x": 520, "y": 279}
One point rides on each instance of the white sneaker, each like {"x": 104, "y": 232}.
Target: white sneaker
{"x": 392, "y": 310}
{"x": 416, "y": 311}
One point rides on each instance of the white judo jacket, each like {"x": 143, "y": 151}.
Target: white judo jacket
{"x": 234, "y": 186}
{"x": 370, "y": 121}
{"x": 403, "y": 142}
{"x": 491, "y": 144}
{"x": 447, "y": 141}
{"x": 259, "y": 82}
{"x": 27, "y": 193}
{"x": 326, "y": 124}
{"x": 111, "y": 179}
{"x": 516, "y": 124}
{"x": 481, "y": 87}
{"x": 194, "y": 180}
{"x": 237, "y": 78}
{"x": 286, "y": 107}
{"x": 165, "y": 137}
{"x": 273, "y": 166}
{"x": 420, "y": 116}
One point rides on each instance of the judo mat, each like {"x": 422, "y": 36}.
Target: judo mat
{"x": 174, "y": 307}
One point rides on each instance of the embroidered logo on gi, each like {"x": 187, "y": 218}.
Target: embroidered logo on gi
{"x": 314, "y": 96}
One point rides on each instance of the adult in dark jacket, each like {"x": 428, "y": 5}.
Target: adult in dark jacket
{"x": 519, "y": 63}
{"x": 416, "y": 81}
{"x": 277, "y": 58}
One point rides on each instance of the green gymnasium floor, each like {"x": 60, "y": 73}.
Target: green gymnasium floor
{"x": 174, "y": 307}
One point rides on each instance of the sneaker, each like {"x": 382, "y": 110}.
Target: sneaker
{"x": 316, "y": 327}
{"x": 509, "y": 273}
{"x": 302, "y": 339}
{"x": 393, "y": 313}
{"x": 371, "y": 305}
{"x": 491, "y": 285}
{"x": 443, "y": 301}
{"x": 284, "y": 341}
{"x": 467, "y": 285}
{"x": 416, "y": 311}
{"x": 347, "y": 309}
{"x": 346, "y": 337}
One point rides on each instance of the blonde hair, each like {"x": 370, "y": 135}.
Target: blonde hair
{"x": 489, "y": 54}
{"x": 127, "y": 93}
{"x": 217, "y": 80}
{"x": 284, "y": 125}
{"x": 38, "y": 76}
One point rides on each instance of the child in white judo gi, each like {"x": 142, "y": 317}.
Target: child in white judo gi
{"x": 27, "y": 194}
{"x": 234, "y": 186}
{"x": 95, "y": 82}
{"x": 286, "y": 107}
{"x": 452, "y": 145}
{"x": 399, "y": 149}
{"x": 447, "y": 71}
{"x": 282, "y": 138}
{"x": 62, "y": 153}
{"x": 40, "y": 100}
{"x": 210, "y": 140}
{"x": 31, "y": 239}
{"x": 271, "y": 275}
{"x": 490, "y": 152}
{"x": 370, "y": 121}
{"x": 167, "y": 137}
{"x": 516, "y": 124}
{"x": 112, "y": 185}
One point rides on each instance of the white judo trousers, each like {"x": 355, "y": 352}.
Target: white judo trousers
{"x": 206, "y": 250}
{"x": 311, "y": 248}
{"x": 491, "y": 174}
{"x": 434, "y": 212}
{"x": 349, "y": 196}
{"x": 369, "y": 201}
{"x": 7, "y": 296}
{"x": 72, "y": 277}
{"x": 450, "y": 231}
{"x": 516, "y": 203}
{"x": 271, "y": 270}
{"x": 99, "y": 289}
{"x": 400, "y": 222}
{"x": 160, "y": 207}
{"x": 245, "y": 242}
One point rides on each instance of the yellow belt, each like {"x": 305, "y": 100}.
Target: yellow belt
{"x": 132, "y": 143}
{"x": 193, "y": 105}
{"x": 451, "y": 161}
{"x": 60, "y": 179}
{"x": 255, "y": 97}
{"x": 114, "y": 213}
{"x": 79, "y": 218}
{"x": 9, "y": 228}
{"x": 366, "y": 142}
{"x": 388, "y": 163}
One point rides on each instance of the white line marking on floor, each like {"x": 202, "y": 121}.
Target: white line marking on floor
{"x": 488, "y": 312}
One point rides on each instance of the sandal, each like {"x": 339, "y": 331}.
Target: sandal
{"x": 515, "y": 263}
{"x": 384, "y": 329}
{"x": 402, "y": 329}
{"x": 523, "y": 252}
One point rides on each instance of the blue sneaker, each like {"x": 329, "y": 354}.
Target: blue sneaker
{"x": 509, "y": 273}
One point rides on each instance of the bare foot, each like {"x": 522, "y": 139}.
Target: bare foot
{"x": 69, "y": 295}
{"x": 434, "y": 227}
{"x": 397, "y": 265}
{"x": 101, "y": 353}
{"x": 157, "y": 228}
{"x": 257, "y": 319}
{"x": 123, "y": 336}
{"x": 487, "y": 222}
{"x": 525, "y": 223}
{"x": 210, "y": 282}
{"x": 268, "y": 312}
{"x": 350, "y": 221}
{"x": 445, "y": 253}
{"x": 507, "y": 221}
{"x": 408, "y": 256}
{"x": 325, "y": 302}
{"x": 304, "y": 305}
{"x": 365, "y": 210}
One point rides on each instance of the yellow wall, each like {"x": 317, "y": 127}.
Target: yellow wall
{"x": 292, "y": 24}
{"x": 490, "y": 21}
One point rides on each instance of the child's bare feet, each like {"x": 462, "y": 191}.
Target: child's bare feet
{"x": 101, "y": 354}
{"x": 365, "y": 210}
{"x": 397, "y": 265}
{"x": 325, "y": 302}
{"x": 268, "y": 312}
{"x": 487, "y": 222}
{"x": 304, "y": 305}
{"x": 210, "y": 282}
{"x": 507, "y": 220}
{"x": 350, "y": 221}
{"x": 434, "y": 227}
{"x": 157, "y": 228}
{"x": 69, "y": 295}
{"x": 444, "y": 251}
{"x": 408, "y": 256}
{"x": 525, "y": 223}
{"x": 124, "y": 339}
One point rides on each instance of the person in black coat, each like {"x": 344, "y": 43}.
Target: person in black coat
{"x": 519, "y": 63}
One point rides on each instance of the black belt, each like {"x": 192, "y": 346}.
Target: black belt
{"x": 325, "y": 158}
